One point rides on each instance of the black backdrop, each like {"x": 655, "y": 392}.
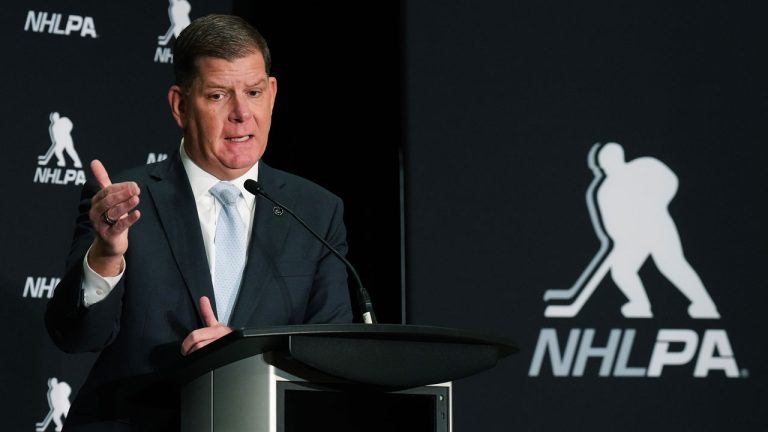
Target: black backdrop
{"x": 496, "y": 106}
{"x": 505, "y": 101}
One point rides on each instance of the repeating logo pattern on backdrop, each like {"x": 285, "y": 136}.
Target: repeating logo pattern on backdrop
{"x": 628, "y": 206}
{"x": 178, "y": 15}
{"x": 62, "y": 148}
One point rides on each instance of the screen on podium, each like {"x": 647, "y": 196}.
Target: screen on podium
{"x": 304, "y": 407}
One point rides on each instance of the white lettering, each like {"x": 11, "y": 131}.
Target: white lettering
{"x": 33, "y": 21}
{"x": 586, "y": 350}
{"x": 673, "y": 347}
{"x": 47, "y": 175}
{"x": 561, "y": 365}
{"x": 57, "y": 28}
{"x": 662, "y": 355}
{"x": 69, "y": 176}
{"x": 163, "y": 55}
{"x": 621, "y": 369}
{"x": 152, "y": 157}
{"x": 716, "y": 340}
{"x": 89, "y": 28}
{"x": 37, "y": 287}
{"x": 45, "y": 22}
{"x": 42, "y": 22}
{"x": 74, "y": 23}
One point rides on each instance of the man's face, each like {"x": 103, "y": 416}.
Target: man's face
{"x": 226, "y": 114}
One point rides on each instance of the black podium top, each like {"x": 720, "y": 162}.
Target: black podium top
{"x": 384, "y": 355}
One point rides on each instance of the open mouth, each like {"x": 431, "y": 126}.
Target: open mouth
{"x": 239, "y": 139}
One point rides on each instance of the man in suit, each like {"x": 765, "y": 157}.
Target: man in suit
{"x": 143, "y": 282}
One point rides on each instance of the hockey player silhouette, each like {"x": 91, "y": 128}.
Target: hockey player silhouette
{"x": 633, "y": 224}
{"x": 178, "y": 14}
{"x": 60, "y": 131}
{"x": 58, "y": 401}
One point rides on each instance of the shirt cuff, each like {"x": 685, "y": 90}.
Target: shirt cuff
{"x": 95, "y": 286}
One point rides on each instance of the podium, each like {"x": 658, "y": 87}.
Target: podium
{"x": 292, "y": 378}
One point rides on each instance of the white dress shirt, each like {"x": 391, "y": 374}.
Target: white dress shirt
{"x": 96, "y": 287}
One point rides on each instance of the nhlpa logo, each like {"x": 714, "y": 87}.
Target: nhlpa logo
{"x": 58, "y": 403}
{"x": 51, "y": 23}
{"x": 628, "y": 205}
{"x": 60, "y": 131}
{"x": 178, "y": 14}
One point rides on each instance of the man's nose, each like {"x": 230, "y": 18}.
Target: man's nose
{"x": 240, "y": 110}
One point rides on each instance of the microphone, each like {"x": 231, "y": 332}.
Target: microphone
{"x": 366, "y": 306}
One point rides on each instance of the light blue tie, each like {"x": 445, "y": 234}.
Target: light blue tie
{"x": 230, "y": 250}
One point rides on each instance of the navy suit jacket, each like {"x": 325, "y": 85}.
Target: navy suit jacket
{"x": 289, "y": 278}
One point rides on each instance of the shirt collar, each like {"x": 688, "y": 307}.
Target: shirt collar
{"x": 201, "y": 180}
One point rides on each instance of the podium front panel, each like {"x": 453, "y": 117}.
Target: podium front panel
{"x": 254, "y": 395}
{"x": 305, "y": 406}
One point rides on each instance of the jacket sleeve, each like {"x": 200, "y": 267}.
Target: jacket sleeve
{"x": 72, "y": 326}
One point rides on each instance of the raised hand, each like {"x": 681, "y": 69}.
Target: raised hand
{"x": 112, "y": 213}
{"x": 212, "y": 331}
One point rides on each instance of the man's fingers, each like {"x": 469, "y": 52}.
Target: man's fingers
{"x": 100, "y": 173}
{"x": 117, "y": 209}
{"x": 124, "y": 222}
{"x": 196, "y": 347}
{"x": 202, "y": 337}
{"x": 209, "y": 318}
{"x": 117, "y": 199}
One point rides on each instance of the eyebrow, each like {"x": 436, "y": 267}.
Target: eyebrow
{"x": 215, "y": 85}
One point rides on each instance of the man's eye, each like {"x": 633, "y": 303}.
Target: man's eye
{"x": 254, "y": 93}
{"x": 216, "y": 96}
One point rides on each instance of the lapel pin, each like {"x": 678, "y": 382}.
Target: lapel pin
{"x": 278, "y": 211}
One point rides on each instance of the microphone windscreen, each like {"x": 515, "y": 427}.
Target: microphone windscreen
{"x": 252, "y": 186}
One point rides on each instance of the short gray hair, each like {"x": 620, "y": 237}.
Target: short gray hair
{"x": 227, "y": 37}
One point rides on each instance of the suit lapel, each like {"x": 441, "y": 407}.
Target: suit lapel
{"x": 177, "y": 212}
{"x": 267, "y": 237}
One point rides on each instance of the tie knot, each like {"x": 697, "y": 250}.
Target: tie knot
{"x": 225, "y": 192}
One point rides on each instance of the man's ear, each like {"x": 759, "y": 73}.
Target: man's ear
{"x": 177, "y": 101}
{"x": 273, "y": 85}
